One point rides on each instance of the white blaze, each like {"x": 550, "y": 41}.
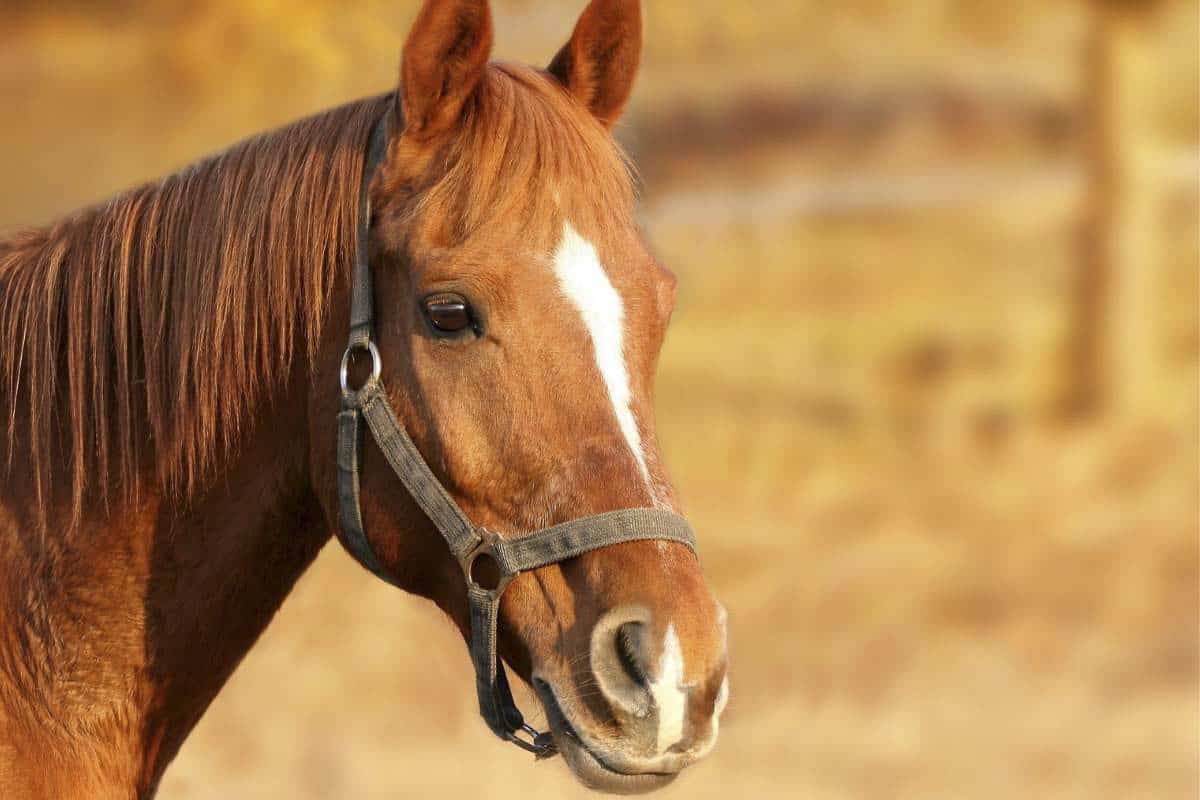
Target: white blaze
{"x": 584, "y": 281}
{"x": 668, "y": 692}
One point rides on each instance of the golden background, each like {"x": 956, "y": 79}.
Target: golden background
{"x": 930, "y": 395}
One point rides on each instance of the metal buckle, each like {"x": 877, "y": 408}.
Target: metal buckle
{"x": 376, "y": 367}
{"x": 540, "y": 744}
{"x": 486, "y": 547}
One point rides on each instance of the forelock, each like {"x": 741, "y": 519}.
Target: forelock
{"x": 528, "y": 152}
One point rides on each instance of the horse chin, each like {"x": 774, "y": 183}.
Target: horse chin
{"x": 591, "y": 768}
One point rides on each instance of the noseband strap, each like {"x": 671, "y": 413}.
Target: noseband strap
{"x": 468, "y": 543}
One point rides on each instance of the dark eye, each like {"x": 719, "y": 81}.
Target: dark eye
{"x": 448, "y": 313}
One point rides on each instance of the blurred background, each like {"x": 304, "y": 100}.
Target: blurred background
{"x": 930, "y": 396}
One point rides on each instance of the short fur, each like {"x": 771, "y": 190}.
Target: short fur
{"x": 168, "y": 373}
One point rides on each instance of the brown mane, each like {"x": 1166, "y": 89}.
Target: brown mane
{"x": 140, "y": 333}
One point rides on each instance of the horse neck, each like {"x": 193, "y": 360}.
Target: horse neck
{"x": 114, "y": 639}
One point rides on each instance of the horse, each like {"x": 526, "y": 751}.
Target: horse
{"x": 169, "y": 372}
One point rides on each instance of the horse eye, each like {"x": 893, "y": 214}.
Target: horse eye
{"x": 449, "y": 314}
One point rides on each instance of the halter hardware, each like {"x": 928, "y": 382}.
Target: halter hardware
{"x": 370, "y": 349}
{"x": 486, "y": 549}
{"x": 467, "y": 542}
{"x": 540, "y": 743}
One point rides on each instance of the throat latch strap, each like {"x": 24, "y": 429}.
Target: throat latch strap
{"x": 466, "y": 542}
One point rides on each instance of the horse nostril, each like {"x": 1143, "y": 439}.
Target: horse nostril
{"x": 629, "y": 651}
{"x": 621, "y": 660}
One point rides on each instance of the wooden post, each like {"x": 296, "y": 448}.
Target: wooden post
{"x": 1115, "y": 356}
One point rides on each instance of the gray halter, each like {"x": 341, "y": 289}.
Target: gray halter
{"x": 467, "y": 542}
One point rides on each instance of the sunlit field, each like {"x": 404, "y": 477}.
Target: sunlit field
{"x": 940, "y": 585}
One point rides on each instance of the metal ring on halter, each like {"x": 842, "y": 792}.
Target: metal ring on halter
{"x": 540, "y": 744}
{"x": 376, "y": 367}
{"x": 486, "y": 547}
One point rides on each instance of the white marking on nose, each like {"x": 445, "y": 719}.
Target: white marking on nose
{"x": 670, "y": 698}
{"x": 584, "y": 281}
{"x": 704, "y": 748}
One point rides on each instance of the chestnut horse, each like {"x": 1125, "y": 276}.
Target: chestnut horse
{"x": 169, "y": 386}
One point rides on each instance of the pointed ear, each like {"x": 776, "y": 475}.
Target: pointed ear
{"x": 600, "y": 62}
{"x": 444, "y": 60}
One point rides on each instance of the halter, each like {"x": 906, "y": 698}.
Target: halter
{"x": 467, "y": 542}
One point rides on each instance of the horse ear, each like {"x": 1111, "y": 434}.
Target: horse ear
{"x": 600, "y": 62}
{"x": 444, "y": 59}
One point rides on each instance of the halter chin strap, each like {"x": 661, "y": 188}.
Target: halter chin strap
{"x": 467, "y": 542}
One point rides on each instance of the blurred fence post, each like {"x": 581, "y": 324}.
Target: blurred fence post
{"x": 1115, "y": 354}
